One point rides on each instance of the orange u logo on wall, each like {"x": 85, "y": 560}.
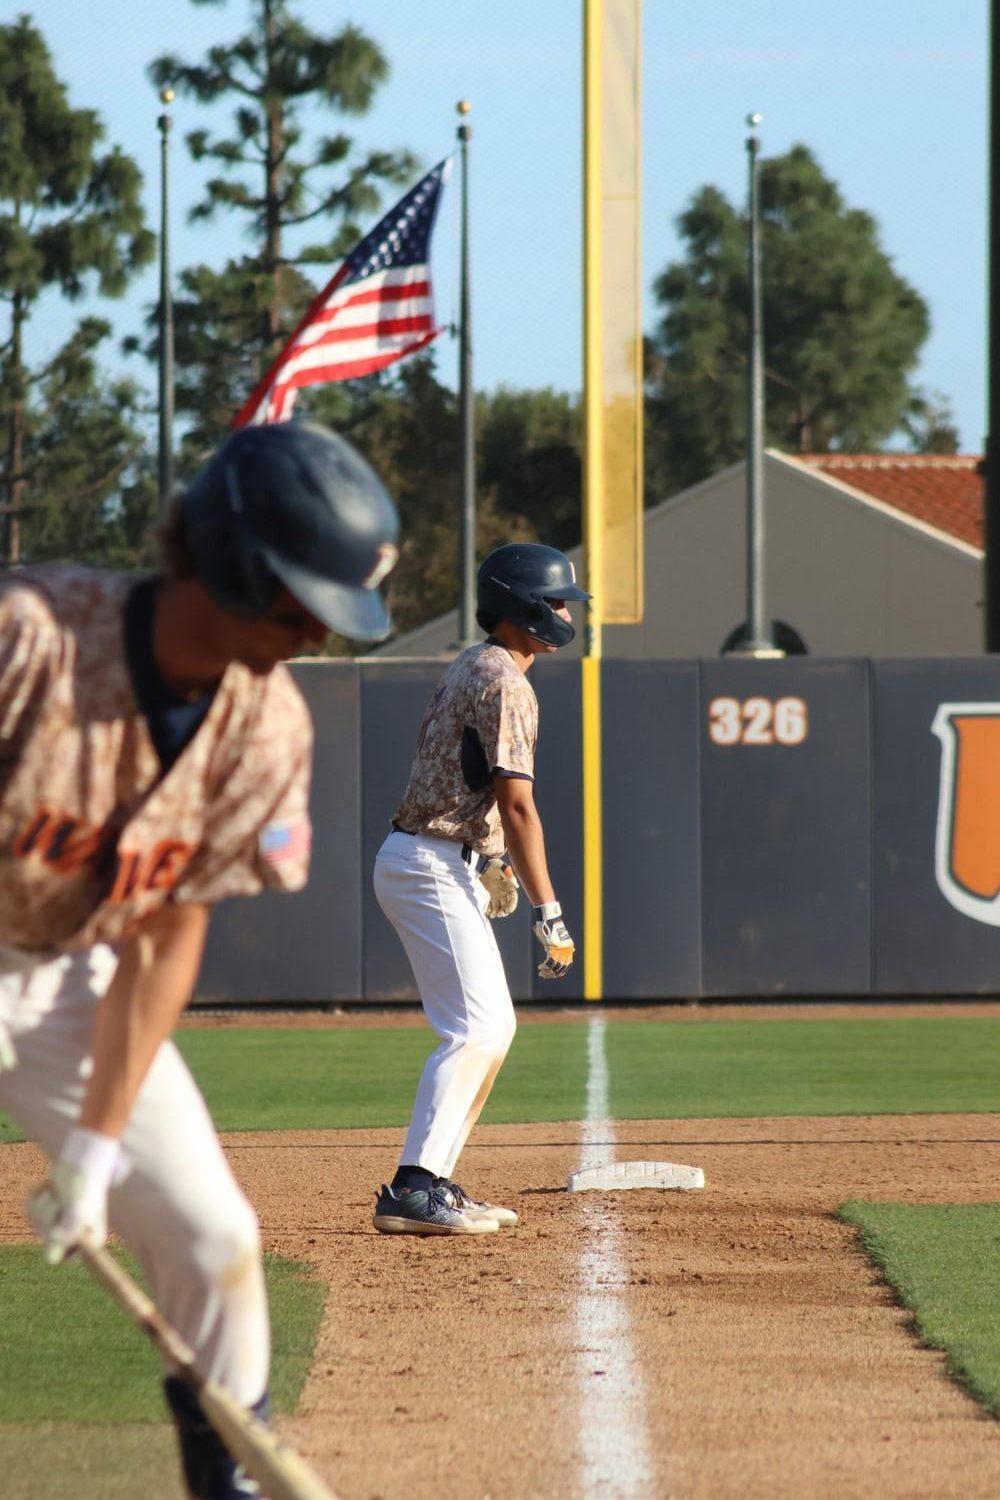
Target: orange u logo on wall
{"x": 967, "y": 843}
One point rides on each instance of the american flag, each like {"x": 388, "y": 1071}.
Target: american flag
{"x": 289, "y": 839}
{"x": 376, "y": 309}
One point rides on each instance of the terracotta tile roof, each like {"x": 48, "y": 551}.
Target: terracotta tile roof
{"x": 945, "y": 490}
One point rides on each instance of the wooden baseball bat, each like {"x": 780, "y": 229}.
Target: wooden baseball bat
{"x": 278, "y": 1469}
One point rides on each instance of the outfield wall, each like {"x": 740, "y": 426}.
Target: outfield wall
{"x": 794, "y": 827}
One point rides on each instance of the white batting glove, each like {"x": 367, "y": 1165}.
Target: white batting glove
{"x": 501, "y": 887}
{"x": 550, "y": 930}
{"x": 73, "y": 1204}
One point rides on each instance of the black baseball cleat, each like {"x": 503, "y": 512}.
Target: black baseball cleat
{"x": 426, "y": 1211}
{"x": 504, "y": 1218}
{"x": 209, "y": 1470}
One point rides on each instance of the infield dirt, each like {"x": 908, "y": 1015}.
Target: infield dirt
{"x": 773, "y": 1362}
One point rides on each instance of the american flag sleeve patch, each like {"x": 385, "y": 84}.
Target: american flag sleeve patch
{"x": 281, "y": 842}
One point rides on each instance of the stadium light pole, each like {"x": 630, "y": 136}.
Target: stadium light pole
{"x": 165, "y": 467}
{"x": 467, "y": 407}
{"x": 991, "y": 518}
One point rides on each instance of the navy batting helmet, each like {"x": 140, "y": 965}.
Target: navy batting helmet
{"x": 292, "y": 503}
{"x": 518, "y": 583}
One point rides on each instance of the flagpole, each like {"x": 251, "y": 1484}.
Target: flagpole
{"x": 467, "y": 408}
{"x": 166, "y": 322}
{"x": 758, "y": 640}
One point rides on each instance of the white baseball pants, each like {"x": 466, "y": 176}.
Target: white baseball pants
{"x": 436, "y": 903}
{"x": 176, "y": 1203}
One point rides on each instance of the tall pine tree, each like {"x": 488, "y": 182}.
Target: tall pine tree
{"x": 70, "y": 217}
{"x": 230, "y": 322}
{"x": 842, "y": 329}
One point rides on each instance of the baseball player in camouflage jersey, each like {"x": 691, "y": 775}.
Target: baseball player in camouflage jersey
{"x": 443, "y": 873}
{"x": 155, "y": 758}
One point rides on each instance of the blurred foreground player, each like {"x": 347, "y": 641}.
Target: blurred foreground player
{"x": 442, "y": 873}
{"x": 154, "y": 758}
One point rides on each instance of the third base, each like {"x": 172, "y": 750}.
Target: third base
{"x": 636, "y": 1174}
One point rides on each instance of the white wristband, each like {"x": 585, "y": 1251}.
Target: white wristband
{"x": 547, "y": 912}
{"x": 93, "y": 1154}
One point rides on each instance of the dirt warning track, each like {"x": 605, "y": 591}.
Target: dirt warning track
{"x": 767, "y": 1359}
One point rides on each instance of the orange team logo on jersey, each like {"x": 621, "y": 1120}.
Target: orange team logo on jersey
{"x": 967, "y": 844}
{"x": 68, "y": 845}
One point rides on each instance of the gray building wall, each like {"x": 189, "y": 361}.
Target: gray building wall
{"x": 852, "y": 575}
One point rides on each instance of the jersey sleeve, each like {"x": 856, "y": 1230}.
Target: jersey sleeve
{"x": 258, "y": 834}
{"x": 30, "y": 646}
{"x": 507, "y": 726}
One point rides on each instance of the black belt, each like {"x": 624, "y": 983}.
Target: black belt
{"x": 468, "y": 853}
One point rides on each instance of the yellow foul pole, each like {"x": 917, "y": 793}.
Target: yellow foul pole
{"x": 593, "y": 496}
{"x": 612, "y": 391}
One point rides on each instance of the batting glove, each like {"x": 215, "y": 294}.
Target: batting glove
{"x": 73, "y": 1203}
{"x": 501, "y": 886}
{"x": 550, "y": 930}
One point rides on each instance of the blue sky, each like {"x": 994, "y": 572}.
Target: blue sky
{"x": 891, "y": 96}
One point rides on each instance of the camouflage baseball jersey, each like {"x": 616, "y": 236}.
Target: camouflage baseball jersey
{"x": 93, "y": 835}
{"x": 482, "y": 718}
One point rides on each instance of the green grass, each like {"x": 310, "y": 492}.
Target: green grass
{"x": 271, "y": 1079}
{"x": 904, "y": 1065}
{"x": 89, "y": 1463}
{"x": 944, "y": 1265}
{"x": 68, "y": 1355}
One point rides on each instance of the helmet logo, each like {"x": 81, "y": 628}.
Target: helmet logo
{"x": 388, "y": 556}
{"x": 572, "y": 571}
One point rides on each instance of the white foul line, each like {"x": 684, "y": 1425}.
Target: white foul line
{"x": 612, "y": 1442}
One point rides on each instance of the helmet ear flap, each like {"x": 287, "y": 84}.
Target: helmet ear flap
{"x": 260, "y": 585}
{"x": 558, "y": 632}
{"x": 551, "y": 628}
{"x": 232, "y": 566}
